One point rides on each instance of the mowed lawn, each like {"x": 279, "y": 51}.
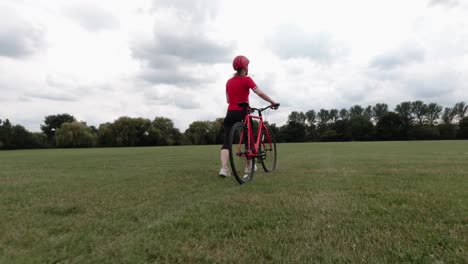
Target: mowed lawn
{"x": 357, "y": 202}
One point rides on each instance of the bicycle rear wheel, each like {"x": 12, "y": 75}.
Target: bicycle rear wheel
{"x": 267, "y": 150}
{"x": 242, "y": 166}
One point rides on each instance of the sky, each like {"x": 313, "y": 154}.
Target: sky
{"x": 100, "y": 60}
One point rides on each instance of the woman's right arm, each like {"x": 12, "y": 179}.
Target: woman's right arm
{"x": 264, "y": 96}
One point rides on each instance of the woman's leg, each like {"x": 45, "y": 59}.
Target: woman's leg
{"x": 225, "y": 147}
{"x": 224, "y": 157}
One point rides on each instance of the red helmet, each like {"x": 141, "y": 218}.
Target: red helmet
{"x": 240, "y": 62}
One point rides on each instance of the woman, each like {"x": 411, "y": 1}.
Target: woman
{"x": 237, "y": 90}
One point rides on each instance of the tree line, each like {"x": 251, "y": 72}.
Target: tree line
{"x": 64, "y": 131}
{"x": 408, "y": 121}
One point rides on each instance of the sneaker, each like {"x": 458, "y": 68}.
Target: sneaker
{"x": 224, "y": 172}
{"x": 247, "y": 170}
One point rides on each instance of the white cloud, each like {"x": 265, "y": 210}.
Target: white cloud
{"x": 147, "y": 58}
{"x": 289, "y": 41}
{"x": 197, "y": 11}
{"x": 408, "y": 54}
{"x": 19, "y": 37}
{"x": 91, "y": 17}
{"x": 182, "y": 39}
{"x": 449, "y": 3}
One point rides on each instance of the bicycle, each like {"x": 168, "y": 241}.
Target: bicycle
{"x": 245, "y": 148}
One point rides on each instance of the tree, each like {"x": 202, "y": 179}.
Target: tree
{"x": 22, "y": 138}
{"x": 323, "y": 117}
{"x": 334, "y": 114}
{"x": 293, "y": 132}
{"x": 310, "y": 117}
{"x": 74, "y": 135}
{"x": 463, "y": 128}
{"x": 338, "y": 131}
{"x": 367, "y": 113}
{"x": 94, "y": 130}
{"x": 404, "y": 110}
{"x": 447, "y": 131}
{"x": 433, "y": 112}
{"x": 311, "y": 129}
{"x": 274, "y": 131}
{"x": 344, "y": 114}
{"x": 129, "y": 131}
{"x": 362, "y": 129}
{"x": 461, "y": 109}
{"x": 449, "y": 115}
{"x": 419, "y": 110}
{"x": 220, "y": 135}
{"x": 16, "y": 137}
{"x": 202, "y": 133}
{"x": 215, "y": 128}
{"x": 295, "y": 128}
{"x": 5, "y": 134}
{"x": 378, "y": 111}
{"x": 106, "y": 137}
{"x": 390, "y": 127}
{"x": 423, "y": 132}
{"x": 164, "y": 132}
{"x": 311, "y": 133}
{"x": 298, "y": 117}
{"x": 40, "y": 139}
{"x": 53, "y": 122}
{"x": 356, "y": 110}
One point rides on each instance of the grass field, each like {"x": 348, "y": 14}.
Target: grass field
{"x": 381, "y": 202}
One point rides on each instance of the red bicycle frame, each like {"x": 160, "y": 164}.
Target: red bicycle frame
{"x": 253, "y": 152}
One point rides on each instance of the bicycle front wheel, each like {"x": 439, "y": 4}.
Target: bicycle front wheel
{"x": 242, "y": 166}
{"x": 267, "y": 150}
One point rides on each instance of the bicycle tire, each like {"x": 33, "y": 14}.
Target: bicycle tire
{"x": 238, "y": 153}
{"x": 267, "y": 150}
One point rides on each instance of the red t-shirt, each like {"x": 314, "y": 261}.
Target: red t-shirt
{"x": 238, "y": 89}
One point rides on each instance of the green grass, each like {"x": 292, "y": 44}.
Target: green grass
{"x": 382, "y": 202}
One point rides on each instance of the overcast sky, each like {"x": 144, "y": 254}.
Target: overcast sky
{"x": 99, "y": 60}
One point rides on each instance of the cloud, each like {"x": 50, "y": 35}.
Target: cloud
{"x": 185, "y": 101}
{"x": 52, "y": 96}
{"x": 182, "y": 43}
{"x": 91, "y": 17}
{"x": 168, "y": 75}
{"x": 403, "y": 56}
{"x": 175, "y": 59}
{"x": 161, "y": 94}
{"x": 63, "y": 88}
{"x": 290, "y": 42}
{"x": 198, "y": 11}
{"x": 8, "y": 89}
{"x": 19, "y": 38}
{"x": 172, "y": 57}
{"x": 435, "y": 81}
{"x": 447, "y": 3}
{"x": 172, "y": 48}
{"x": 170, "y": 95}
{"x": 432, "y": 83}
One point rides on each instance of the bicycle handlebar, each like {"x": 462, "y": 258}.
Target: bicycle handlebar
{"x": 245, "y": 105}
{"x": 274, "y": 107}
